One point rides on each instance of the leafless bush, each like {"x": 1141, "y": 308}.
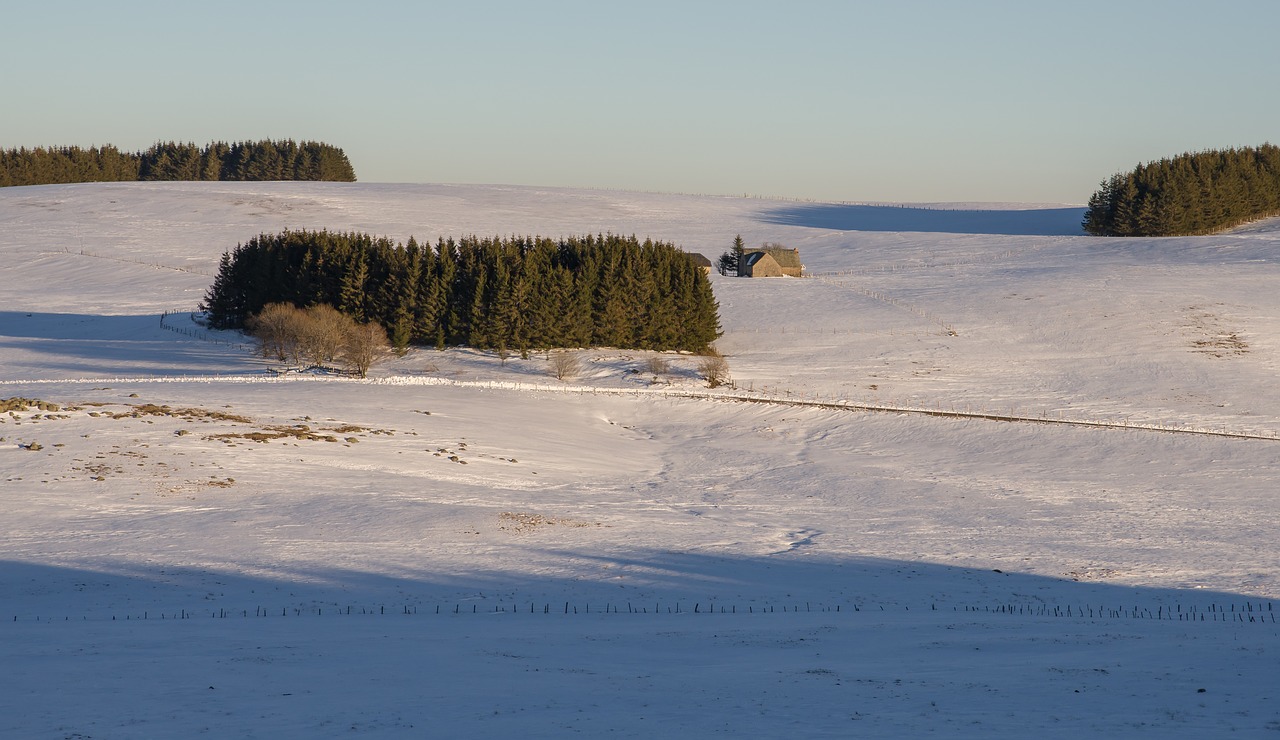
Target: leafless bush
{"x": 276, "y": 327}
{"x": 319, "y": 335}
{"x": 713, "y": 368}
{"x": 366, "y": 344}
{"x": 564, "y": 365}
{"x": 657, "y": 365}
{"x": 324, "y": 334}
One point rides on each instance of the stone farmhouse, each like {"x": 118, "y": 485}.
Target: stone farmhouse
{"x": 701, "y": 261}
{"x": 771, "y": 261}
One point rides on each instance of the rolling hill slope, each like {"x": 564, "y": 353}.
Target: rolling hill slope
{"x": 298, "y": 535}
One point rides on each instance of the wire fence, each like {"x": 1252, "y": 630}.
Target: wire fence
{"x": 945, "y": 327}
{"x": 926, "y": 264}
{"x": 167, "y": 324}
{"x": 1247, "y": 612}
{"x": 765, "y": 395}
{"x": 829, "y": 331}
{"x": 159, "y": 266}
{"x": 730, "y": 391}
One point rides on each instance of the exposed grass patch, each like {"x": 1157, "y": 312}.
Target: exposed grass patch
{"x": 17, "y": 403}
{"x": 1213, "y": 336}
{"x": 298, "y": 431}
{"x": 518, "y": 522}
{"x": 188, "y": 414}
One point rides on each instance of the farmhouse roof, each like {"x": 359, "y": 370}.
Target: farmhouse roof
{"x": 783, "y": 256}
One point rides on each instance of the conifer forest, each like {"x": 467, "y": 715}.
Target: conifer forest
{"x": 259, "y": 160}
{"x": 507, "y": 294}
{"x": 1187, "y": 195}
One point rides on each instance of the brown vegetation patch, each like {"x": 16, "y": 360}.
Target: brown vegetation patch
{"x": 24, "y": 404}
{"x": 522, "y": 523}
{"x": 1222, "y": 345}
{"x": 298, "y": 431}
{"x": 189, "y": 414}
{"x": 1212, "y": 335}
{"x": 1092, "y": 574}
{"x": 98, "y": 471}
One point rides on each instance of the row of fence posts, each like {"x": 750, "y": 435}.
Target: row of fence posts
{"x": 195, "y": 334}
{"x": 920, "y": 265}
{"x": 85, "y": 253}
{"x": 1248, "y": 612}
{"x": 816, "y": 398}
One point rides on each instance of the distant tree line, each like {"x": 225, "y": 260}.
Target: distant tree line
{"x": 1199, "y": 193}
{"x": 507, "y": 294}
{"x": 258, "y": 160}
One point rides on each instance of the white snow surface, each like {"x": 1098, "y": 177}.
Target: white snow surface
{"x": 844, "y": 543}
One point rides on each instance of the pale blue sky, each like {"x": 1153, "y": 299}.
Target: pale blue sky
{"x": 907, "y": 100}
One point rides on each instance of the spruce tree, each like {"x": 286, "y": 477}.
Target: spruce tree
{"x": 351, "y": 296}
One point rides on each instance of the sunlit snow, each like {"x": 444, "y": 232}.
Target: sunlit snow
{"x": 977, "y": 475}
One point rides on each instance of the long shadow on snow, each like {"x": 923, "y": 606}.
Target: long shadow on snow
{"x": 94, "y": 345}
{"x": 652, "y": 579}
{"x": 1032, "y": 222}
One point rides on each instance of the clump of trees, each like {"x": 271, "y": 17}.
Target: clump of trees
{"x": 1198, "y": 193}
{"x": 505, "y": 294}
{"x": 258, "y": 160}
{"x": 318, "y": 336}
{"x": 730, "y": 263}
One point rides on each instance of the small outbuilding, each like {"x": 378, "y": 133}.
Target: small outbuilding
{"x": 771, "y": 261}
{"x": 701, "y": 261}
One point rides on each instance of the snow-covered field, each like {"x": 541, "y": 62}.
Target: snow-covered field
{"x": 192, "y": 545}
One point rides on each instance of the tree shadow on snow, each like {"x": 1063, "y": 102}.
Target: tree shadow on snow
{"x": 79, "y": 345}
{"x": 642, "y": 579}
{"x": 1031, "y": 222}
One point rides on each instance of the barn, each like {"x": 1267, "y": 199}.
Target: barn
{"x": 701, "y": 261}
{"x": 771, "y": 262}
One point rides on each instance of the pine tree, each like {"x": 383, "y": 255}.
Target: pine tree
{"x": 220, "y": 302}
{"x": 351, "y": 296}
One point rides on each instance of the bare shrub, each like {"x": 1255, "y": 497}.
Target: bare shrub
{"x": 713, "y": 368}
{"x": 276, "y": 327}
{"x": 318, "y": 336}
{"x": 657, "y": 365}
{"x": 324, "y": 334}
{"x": 564, "y": 365}
{"x": 365, "y": 345}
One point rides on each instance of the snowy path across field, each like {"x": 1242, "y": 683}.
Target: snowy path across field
{"x": 947, "y": 458}
{"x": 814, "y": 400}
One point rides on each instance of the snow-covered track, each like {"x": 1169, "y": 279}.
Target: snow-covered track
{"x": 736, "y": 395}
